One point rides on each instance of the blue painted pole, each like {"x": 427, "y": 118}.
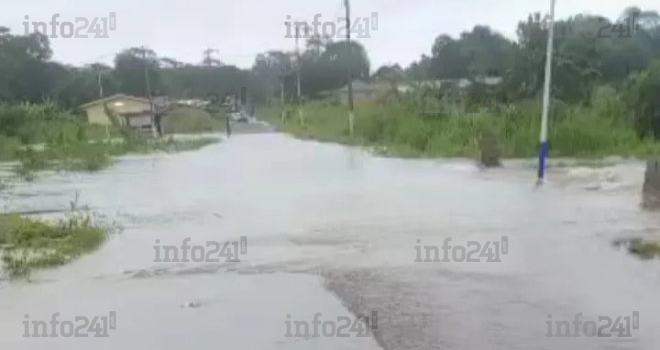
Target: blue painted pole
{"x": 543, "y": 151}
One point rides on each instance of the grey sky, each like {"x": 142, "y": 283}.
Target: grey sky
{"x": 241, "y": 29}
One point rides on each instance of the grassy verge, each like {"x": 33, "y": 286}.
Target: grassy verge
{"x": 94, "y": 156}
{"x": 189, "y": 120}
{"x": 645, "y": 249}
{"x": 27, "y": 244}
{"x": 400, "y": 128}
{"x": 45, "y": 136}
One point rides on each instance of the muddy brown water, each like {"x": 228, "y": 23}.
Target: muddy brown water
{"x": 334, "y": 230}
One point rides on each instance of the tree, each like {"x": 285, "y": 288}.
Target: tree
{"x": 130, "y": 67}
{"x": 209, "y": 60}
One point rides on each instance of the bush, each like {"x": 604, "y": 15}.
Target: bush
{"x": 602, "y": 126}
{"x": 641, "y": 93}
{"x": 28, "y": 243}
{"x": 9, "y": 147}
{"x": 192, "y": 120}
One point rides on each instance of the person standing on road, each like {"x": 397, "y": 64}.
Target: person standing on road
{"x": 228, "y": 125}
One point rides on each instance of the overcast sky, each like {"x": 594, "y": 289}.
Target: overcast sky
{"x": 243, "y": 28}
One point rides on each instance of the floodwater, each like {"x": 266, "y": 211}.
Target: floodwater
{"x": 334, "y": 230}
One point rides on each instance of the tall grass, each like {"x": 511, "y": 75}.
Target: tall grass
{"x": 187, "y": 120}
{"x": 26, "y": 244}
{"x": 65, "y": 141}
{"x": 603, "y": 127}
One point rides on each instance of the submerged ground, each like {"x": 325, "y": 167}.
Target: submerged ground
{"x": 334, "y": 230}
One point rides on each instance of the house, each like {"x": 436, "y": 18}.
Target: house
{"x": 135, "y": 112}
{"x": 459, "y": 83}
{"x": 197, "y": 103}
{"x": 363, "y": 91}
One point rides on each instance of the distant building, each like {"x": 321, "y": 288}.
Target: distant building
{"x": 135, "y": 112}
{"x": 363, "y": 91}
{"x": 459, "y": 83}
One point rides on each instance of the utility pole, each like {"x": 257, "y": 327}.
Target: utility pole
{"x": 298, "y": 99}
{"x": 283, "y": 115}
{"x": 543, "y": 152}
{"x": 148, "y": 86}
{"x": 100, "y": 85}
{"x": 208, "y": 59}
{"x": 107, "y": 130}
{"x": 351, "y": 118}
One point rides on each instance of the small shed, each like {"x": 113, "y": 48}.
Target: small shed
{"x": 135, "y": 112}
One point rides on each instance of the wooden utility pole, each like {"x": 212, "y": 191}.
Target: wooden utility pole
{"x": 148, "y": 86}
{"x": 301, "y": 117}
{"x": 283, "y": 115}
{"x": 100, "y": 82}
{"x": 351, "y": 118}
{"x": 100, "y": 85}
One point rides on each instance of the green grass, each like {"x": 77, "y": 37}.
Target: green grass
{"x": 188, "y": 120}
{"x": 644, "y": 249}
{"x": 94, "y": 156}
{"x": 395, "y": 128}
{"x": 75, "y": 156}
{"x": 27, "y": 244}
{"x": 9, "y": 147}
{"x": 66, "y": 142}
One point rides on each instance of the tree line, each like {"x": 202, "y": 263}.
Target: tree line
{"x": 582, "y": 61}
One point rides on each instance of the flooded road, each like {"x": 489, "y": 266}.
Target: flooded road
{"x": 336, "y": 231}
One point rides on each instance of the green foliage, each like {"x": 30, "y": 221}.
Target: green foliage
{"x": 643, "y": 99}
{"x": 600, "y": 127}
{"x": 192, "y": 120}
{"x": 26, "y": 243}
{"x": 31, "y": 161}
{"x": 644, "y": 249}
{"x": 67, "y": 143}
{"x": 584, "y": 56}
{"x": 9, "y": 147}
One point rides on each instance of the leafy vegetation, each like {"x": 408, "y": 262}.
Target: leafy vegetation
{"x": 603, "y": 126}
{"x": 604, "y": 92}
{"x": 45, "y": 136}
{"x": 95, "y": 156}
{"x": 605, "y": 87}
{"x": 26, "y": 244}
{"x": 644, "y": 249}
{"x": 188, "y": 120}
